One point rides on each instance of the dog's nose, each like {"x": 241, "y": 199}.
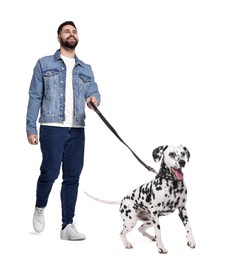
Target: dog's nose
{"x": 182, "y": 163}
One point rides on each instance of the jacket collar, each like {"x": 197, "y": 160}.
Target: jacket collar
{"x": 58, "y": 57}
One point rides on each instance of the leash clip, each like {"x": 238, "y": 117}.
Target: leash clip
{"x": 150, "y": 169}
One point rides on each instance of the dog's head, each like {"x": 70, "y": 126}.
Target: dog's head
{"x": 173, "y": 157}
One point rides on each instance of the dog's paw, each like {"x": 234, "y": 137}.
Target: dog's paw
{"x": 162, "y": 251}
{"x": 190, "y": 240}
{"x": 191, "y": 244}
{"x": 128, "y": 246}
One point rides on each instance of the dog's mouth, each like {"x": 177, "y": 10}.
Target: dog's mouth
{"x": 177, "y": 173}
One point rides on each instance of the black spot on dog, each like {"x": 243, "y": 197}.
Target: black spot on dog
{"x": 148, "y": 197}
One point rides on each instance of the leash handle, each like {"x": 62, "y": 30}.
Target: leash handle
{"x": 93, "y": 106}
{"x": 117, "y": 135}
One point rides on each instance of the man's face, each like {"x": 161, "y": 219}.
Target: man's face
{"x": 68, "y": 37}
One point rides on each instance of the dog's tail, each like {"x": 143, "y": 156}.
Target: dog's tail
{"x": 103, "y": 201}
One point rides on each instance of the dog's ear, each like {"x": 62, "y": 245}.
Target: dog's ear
{"x": 187, "y": 153}
{"x": 158, "y": 152}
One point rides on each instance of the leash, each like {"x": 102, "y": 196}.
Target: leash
{"x": 117, "y": 135}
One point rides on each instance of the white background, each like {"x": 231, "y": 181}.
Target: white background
{"x": 170, "y": 72}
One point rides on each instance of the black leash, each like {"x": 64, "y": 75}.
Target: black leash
{"x": 114, "y": 131}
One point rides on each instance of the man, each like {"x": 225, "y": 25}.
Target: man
{"x": 60, "y": 87}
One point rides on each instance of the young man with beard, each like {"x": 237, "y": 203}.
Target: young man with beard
{"x": 60, "y": 88}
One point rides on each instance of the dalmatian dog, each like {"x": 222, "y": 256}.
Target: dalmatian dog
{"x": 159, "y": 197}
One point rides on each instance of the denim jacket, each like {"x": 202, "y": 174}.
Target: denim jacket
{"x": 47, "y": 91}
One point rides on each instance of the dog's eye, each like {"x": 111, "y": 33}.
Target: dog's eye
{"x": 172, "y": 155}
{"x": 183, "y": 154}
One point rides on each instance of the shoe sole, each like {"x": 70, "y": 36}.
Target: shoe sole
{"x": 72, "y": 239}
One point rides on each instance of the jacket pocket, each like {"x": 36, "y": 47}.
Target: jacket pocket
{"x": 84, "y": 83}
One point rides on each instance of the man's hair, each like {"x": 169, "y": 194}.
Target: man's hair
{"x": 65, "y": 23}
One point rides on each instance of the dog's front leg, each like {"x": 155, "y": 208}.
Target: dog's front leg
{"x": 156, "y": 226}
{"x": 184, "y": 218}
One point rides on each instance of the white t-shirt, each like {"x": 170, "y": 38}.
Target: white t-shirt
{"x": 69, "y": 100}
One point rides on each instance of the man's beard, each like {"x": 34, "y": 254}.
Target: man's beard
{"x": 66, "y": 43}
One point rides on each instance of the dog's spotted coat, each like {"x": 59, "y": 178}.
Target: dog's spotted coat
{"x": 159, "y": 197}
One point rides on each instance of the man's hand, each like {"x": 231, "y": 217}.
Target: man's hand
{"x": 33, "y": 139}
{"x": 93, "y": 100}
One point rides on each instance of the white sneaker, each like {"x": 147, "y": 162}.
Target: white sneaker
{"x": 70, "y": 233}
{"x": 38, "y": 219}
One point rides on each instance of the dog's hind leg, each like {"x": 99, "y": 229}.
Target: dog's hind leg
{"x": 127, "y": 227}
{"x": 129, "y": 217}
{"x": 142, "y": 229}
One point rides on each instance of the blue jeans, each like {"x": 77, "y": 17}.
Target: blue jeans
{"x": 61, "y": 147}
